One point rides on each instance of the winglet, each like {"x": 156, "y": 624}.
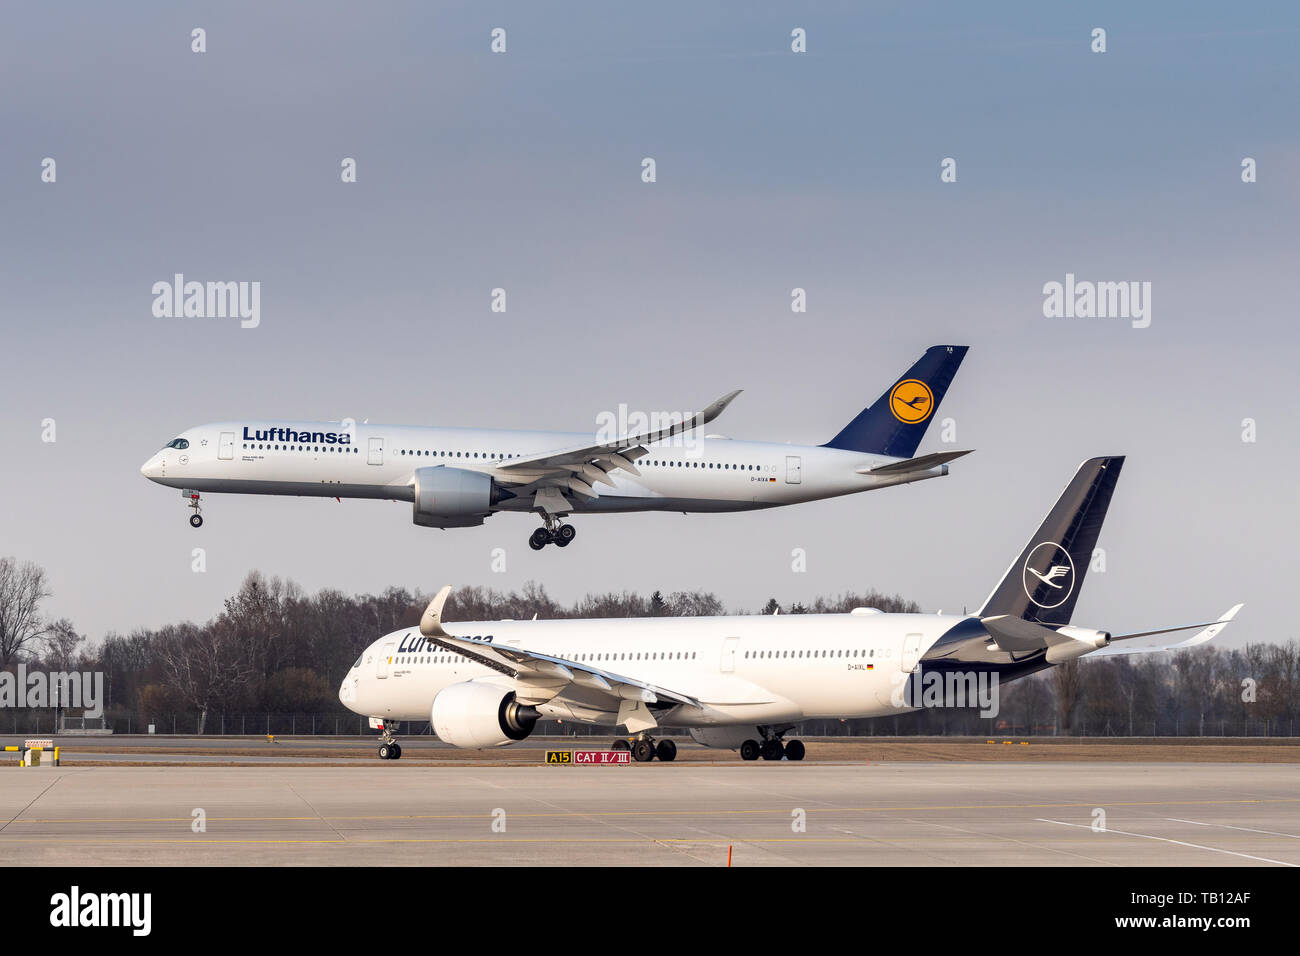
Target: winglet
{"x": 716, "y": 408}
{"x": 1230, "y": 613}
{"x": 431, "y": 621}
{"x": 1213, "y": 630}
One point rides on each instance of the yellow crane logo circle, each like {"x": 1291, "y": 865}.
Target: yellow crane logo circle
{"x": 911, "y": 401}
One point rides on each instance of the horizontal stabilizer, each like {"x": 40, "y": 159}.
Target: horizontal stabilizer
{"x": 1017, "y": 634}
{"x": 923, "y": 463}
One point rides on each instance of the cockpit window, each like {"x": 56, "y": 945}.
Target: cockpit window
{"x": 177, "y": 443}
{"x": 358, "y": 663}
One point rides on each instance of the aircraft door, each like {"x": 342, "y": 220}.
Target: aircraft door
{"x": 911, "y": 652}
{"x": 226, "y": 446}
{"x": 728, "y": 663}
{"x": 384, "y": 660}
{"x": 376, "y": 452}
{"x": 793, "y": 469}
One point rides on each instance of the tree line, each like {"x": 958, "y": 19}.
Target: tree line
{"x": 273, "y": 649}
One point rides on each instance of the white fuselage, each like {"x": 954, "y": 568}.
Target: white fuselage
{"x": 379, "y": 461}
{"x": 744, "y": 670}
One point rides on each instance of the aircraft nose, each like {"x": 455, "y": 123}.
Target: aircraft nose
{"x": 152, "y": 468}
{"x": 348, "y": 692}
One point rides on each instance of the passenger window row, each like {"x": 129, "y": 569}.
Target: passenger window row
{"x": 665, "y": 463}
{"x": 256, "y": 446}
{"x": 842, "y": 652}
{"x": 454, "y": 454}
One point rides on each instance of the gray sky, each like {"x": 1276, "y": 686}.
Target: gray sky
{"x": 775, "y": 170}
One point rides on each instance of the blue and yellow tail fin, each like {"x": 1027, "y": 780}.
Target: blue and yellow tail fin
{"x": 896, "y": 423}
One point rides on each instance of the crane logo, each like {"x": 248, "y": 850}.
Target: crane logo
{"x": 911, "y": 401}
{"x": 1049, "y": 574}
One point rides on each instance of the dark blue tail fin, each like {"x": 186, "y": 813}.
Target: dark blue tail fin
{"x": 896, "y": 423}
{"x": 1062, "y": 549}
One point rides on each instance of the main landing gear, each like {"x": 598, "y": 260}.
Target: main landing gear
{"x": 389, "y": 748}
{"x": 644, "y": 749}
{"x": 555, "y": 533}
{"x": 196, "y": 519}
{"x": 772, "y": 747}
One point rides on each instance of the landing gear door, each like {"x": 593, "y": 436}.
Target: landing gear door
{"x": 226, "y": 446}
{"x": 911, "y": 652}
{"x": 728, "y": 663}
{"x": 384, "y": 661}
{"x": 793, "y": 469}
{"x": 376, "y": 456}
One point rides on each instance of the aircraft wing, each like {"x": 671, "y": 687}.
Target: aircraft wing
{"x": 581, "y": 467}
{"x": 1209, "y": 631}
{"x": 540, "y": 677}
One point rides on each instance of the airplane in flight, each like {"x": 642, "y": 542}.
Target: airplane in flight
{"x": 743, "y": 682}
{"x": 458, "y": 477}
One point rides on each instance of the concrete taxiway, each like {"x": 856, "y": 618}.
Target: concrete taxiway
{"x": 888, "y": 814}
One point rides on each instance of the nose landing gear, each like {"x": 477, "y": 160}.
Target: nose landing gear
{"x": 389, "y": 748}
{"x": 196, "y": 519}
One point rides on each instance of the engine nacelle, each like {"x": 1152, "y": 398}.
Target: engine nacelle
{"x": 474, "y": 716}
{"x": 453, "y": 497}
{"x": 1081, "y": 640}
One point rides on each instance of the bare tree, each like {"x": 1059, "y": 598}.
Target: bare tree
{"x": 208, "y": 666}
{"x": 1069, "y": 691}
{"x": 889, "y": 603}
{"x": 22, "y": 588}
{"x": 693, "y": 604}
{"x": 62, "y": 641}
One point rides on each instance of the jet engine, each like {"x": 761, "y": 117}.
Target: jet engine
{"x": 475, "y": 715}
{"x": 453, "y": 497}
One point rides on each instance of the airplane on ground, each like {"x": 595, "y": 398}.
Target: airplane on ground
{"x": 457, "y": 477}
{"x": 743, "y": 682}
